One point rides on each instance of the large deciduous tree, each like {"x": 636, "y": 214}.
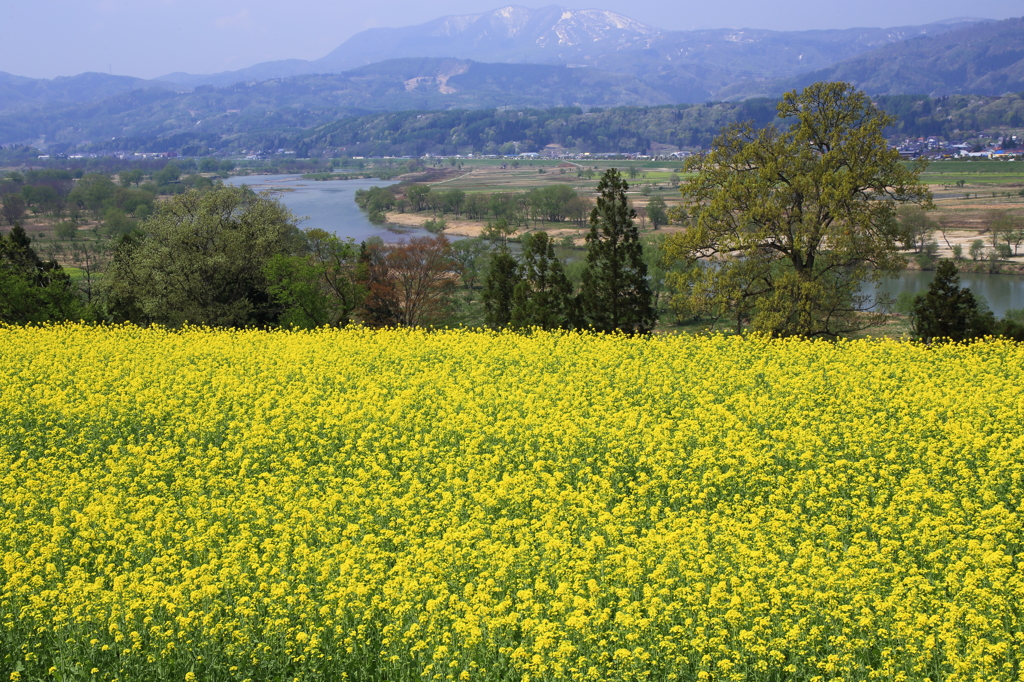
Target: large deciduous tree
{"x": 409, "y": 283}
{"x": 202, "y": 258}
{"x": 614, "y": 294}
{"x": 425, "y": 273}
{"x": 320, "y": 287}
{"x": 789, "y": 223}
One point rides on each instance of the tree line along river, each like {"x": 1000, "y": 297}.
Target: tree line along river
{"x": 330, "y": 205}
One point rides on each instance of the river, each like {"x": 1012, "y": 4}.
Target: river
{"x": 1001, "y": 292}
{"x": 325, "y": 204}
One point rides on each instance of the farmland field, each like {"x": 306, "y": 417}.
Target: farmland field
{"x": 404, "y": 505}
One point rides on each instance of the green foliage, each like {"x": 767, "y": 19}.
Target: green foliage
{"x": 130, "y": 177}
{"x": 92, "y": 192}
{"x": 418, "y": 196}
{"x": 493, "y": 131}
{"x": 498, "y": 232}
{"x": 1007, "y": 231}
{"x": 792, "y": 222}
{"x": 32, "y": 290}
{"x": 320, "y": 287}
{"x": 168, "y": 174}
{"x": 435, "y": 225}
{"x": 657, "y": 212}
{"x": 203, "y": 258}
{"x": 66, "y": 229}
{"x": 947, "y": 310}
{"x": 116, "y": 223}
{"x": 13, "y": 208}
{"x": 543, "y": 296}
{"x": 551, "y": 203}
{"x": 471, "y": 255}
{"x": 614, "y": 292}
{"x": 977, "y": 249}
{"x": 917, "y": 227}
{"x": 499, "y": 288}
{"x": 376, "y": 201}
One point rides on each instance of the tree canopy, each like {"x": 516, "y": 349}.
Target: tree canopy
{"x": 203, "y": 258}
{"x": 789, "y": 223}
{"x": 543, "y": 295}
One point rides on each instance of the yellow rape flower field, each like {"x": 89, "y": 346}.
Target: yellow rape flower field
{"x": 403, "y": 505}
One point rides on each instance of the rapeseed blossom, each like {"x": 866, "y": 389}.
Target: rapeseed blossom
{"x": 403, "y": 505}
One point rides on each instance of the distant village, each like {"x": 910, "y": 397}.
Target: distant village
{"x": 937, "y": 148}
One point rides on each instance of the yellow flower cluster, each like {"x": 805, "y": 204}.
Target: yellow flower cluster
{"x": 403, "y": 505}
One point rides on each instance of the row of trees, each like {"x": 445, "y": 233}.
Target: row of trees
{"x": 555, "y": 203}
{"x": 1005, "y": 236}
{"x": 79, "y": 197}
{"x": 786, "y": 225}
{"x": 614, "y": 294}
{"x": 231, "y": 257}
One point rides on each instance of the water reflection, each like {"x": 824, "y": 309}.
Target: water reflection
{"x": 1001, "y": 292}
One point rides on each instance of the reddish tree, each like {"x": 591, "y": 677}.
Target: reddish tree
{"x": 380, "y": 307}
{"x": 409, "y": 283}
{"x": 424, "y": 273}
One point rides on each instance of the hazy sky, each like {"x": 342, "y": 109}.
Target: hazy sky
{"x": 149, "y": 38}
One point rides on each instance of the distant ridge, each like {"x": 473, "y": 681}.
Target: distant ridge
{"x": 541, "y": 59}
{"x": 983, "y": 59}
{"x": 18, "y": 91}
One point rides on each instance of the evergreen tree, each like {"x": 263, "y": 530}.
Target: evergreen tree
{"x": 499, "y": 286}
{"x": 949, "y": 311}
{"x": 543, "y": 296}
{"x": 33, "y": 290}
{"x": 615, "y": 294}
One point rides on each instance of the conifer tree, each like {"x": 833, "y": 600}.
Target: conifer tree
{"x": 499, "y": 286}
{"x": 33, "y": 290}
{"x": 615, "y": 294}
{"x": 543, "y": 296}
{"x": 949, "y": 311}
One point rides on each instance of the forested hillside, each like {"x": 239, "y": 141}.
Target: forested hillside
{"x": 658, "y": 129}
{"x": 210, "y": 113}
{"x": 623, "y": 129}
{"x": 953, "y": 116}
{"x": 982, "y": 59}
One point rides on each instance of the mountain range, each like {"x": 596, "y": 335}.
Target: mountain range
{"x": 689, "y": 66}
{"x": 511, "y": 57}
